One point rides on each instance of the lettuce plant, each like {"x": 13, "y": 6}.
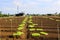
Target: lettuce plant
{"x": 18, "y": 33}
{"x": 45, "y": 33}
{"x": 35, "y": 34}
{"x": 21, "y": 25}
{"x": 51, "y": 18}
{"x": 20, "y": 28}
{"x": 31, "y": 26}
{"x": 57, "y": 20}
{"x": 30, "y": 17}
{"x": 32, "y": 29}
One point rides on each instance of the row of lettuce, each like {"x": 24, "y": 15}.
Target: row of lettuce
{"x": 32, "y": 28}
{"x": 20, "y": 28}
{"x": 54, "y": 19}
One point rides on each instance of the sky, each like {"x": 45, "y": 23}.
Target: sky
{"x": 30, "y": 6}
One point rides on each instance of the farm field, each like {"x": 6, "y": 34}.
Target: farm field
{"x": 30, "y": 28}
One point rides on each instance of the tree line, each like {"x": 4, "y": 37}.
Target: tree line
{"x": 22, "y": 13}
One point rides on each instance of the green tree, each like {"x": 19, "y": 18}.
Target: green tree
{"x": 59, "y": 14}
{"x": 0, "y": 13}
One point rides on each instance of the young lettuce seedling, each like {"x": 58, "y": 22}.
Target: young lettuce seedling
{"x": 21, "y": 25}
{"x": 45, "y": 33}
{"x": 31, "y": 26}
{"x": 20, "y": 28}
{"x": 18, "y": 33}
{"x": 35, "y": 34}
{"x": 51, "y": 18}
{"x": 30, "y": 17}
{"x": 32, "y": 29}
{"x": 15, "y": 34}
{"x": 57, "y": 20}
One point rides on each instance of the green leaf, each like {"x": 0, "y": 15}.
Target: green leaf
{"x": 30, "y": 17}
{"x": 20, "y": 28}
{"x": 35, "y": 34}
{"x": 23, "y": 22}
{"x": 45, "y": 33}
{"x": 20, "y": 33}
{"x": 32, "y": 29}
{"x": 31, "y": 26}
{"x": 21, "y": 25}
{"x": 14, "y": 34}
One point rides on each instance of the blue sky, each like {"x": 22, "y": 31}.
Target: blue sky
{"x": 30, "y": 6}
